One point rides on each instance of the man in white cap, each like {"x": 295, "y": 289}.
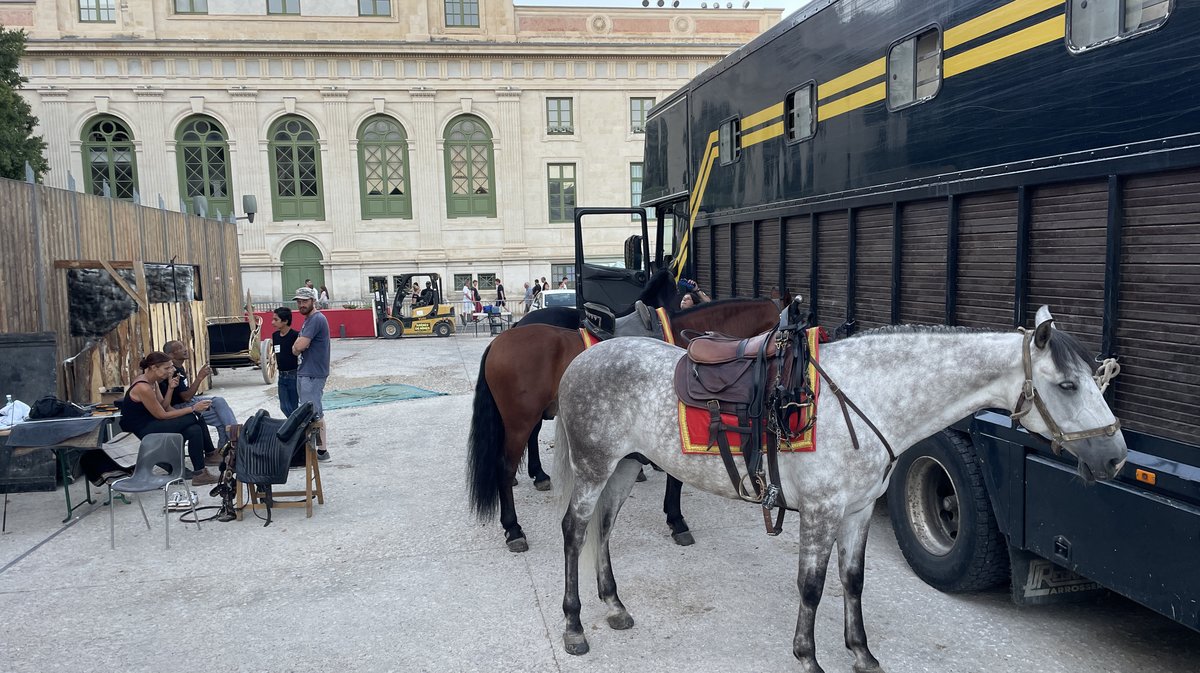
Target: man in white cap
{"x": 312, "y": 347}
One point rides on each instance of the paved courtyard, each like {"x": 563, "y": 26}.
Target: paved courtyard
{"x": 393, "y": 574}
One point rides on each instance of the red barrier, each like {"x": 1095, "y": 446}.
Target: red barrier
{"x": 359, "y": 322}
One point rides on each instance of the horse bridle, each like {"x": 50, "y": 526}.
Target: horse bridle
{"x": 1030, "y": 399}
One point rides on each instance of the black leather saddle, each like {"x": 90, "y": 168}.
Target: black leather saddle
{"x": 268, "y": 447}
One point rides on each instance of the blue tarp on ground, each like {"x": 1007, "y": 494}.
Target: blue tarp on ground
{"x": 378, "y": 394}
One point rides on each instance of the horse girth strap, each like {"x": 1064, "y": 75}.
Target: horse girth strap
{"x": 1030, "y": 399}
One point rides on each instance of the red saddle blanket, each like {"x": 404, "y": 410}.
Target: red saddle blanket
{"x": 694, "y": 421}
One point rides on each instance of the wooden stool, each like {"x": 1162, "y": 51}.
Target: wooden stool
{"x": 312, "y": 483}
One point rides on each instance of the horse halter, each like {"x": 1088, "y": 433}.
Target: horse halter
{"x": 1029, "y": 399}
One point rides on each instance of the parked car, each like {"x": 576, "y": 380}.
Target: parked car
{"x": 554, "y": 298}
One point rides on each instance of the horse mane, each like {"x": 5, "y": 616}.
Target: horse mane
{"x": 1065, "y": 348}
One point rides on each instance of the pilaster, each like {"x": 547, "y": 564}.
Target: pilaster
{"x": 249, "y": 174}
{"x": 154, "y": 175}
{"x": 54, "y": 120}
{"x": 509, "y": 160}
{"x": 426, "y": 176}
{"x": 340, "y": 185}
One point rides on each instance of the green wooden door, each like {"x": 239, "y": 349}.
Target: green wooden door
{"x": 301, "y": 260}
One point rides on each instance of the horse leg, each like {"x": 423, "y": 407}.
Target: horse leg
{"x": 614, "y": 495}
{"x": 514, "y": 537}
{"x": 574, "y": 528}
{"x": 852, "y": 549}
{"x": 541, "y": 480}
{"x": 817, "y": 533}
{"x": 679, "y": 528}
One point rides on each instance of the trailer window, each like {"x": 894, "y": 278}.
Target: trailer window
{"x": 1092, "y": 23}
{"x": 729, "y": 141}
{"x": 914, "y": 69}
{"x": 801, "y": 118}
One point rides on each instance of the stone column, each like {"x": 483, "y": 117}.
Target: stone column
{"x": 249, "y": 174}
{"x": 429, "y": 199}
{"x": 509, "y": 183}
{"x": 154, "y": 175}
{"x": 54, "y": 122}
{"x": 340, "y": 186}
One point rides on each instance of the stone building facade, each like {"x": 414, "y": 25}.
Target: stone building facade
{"x": 379, "y": 137}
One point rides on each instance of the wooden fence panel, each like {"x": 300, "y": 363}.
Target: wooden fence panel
{"x": 987, "y": 259}
{"x": 768, "y": 257}
{"x": 833, "y": 268}
{"x": 923, "y": 262}
{"x": 743, "y": 270}
{"x": 798, "y": 273}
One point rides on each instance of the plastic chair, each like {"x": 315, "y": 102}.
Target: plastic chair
{"x": 159, "y": 467}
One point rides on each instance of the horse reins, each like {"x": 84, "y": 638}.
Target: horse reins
{"x": 1029, "y": 399}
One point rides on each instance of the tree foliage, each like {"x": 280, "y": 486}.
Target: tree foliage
{"x": 17, "y": 142}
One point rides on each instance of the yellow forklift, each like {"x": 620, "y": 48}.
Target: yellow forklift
{"x": 430, "y": 315}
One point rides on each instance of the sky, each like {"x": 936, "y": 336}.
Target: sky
{"x": 788, "y": 6}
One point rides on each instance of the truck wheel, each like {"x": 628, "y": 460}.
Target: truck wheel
{"x": 442, "y": 329}
{"x": 393, "y": 329}
{"x": 942, "y": 517}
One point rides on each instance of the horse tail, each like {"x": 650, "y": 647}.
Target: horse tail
{"x": 485, "y": 449}
{"x": 563, "y": 475}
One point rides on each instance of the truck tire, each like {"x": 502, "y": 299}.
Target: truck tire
{"x": 942, "y": 517}
{"x": 393, "y": 329}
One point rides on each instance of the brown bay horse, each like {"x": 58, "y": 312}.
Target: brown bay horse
{"x": 518, "y": 387}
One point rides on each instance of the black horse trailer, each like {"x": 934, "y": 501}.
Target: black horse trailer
{"x": 963, "y": 162}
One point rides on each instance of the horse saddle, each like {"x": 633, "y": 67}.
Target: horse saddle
{"x": 600, "y": 322}
{"x": 268, "y": 444}
{"x": 725, "y": 369}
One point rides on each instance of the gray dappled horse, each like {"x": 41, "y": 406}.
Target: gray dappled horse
{"x": 618, "y": 398}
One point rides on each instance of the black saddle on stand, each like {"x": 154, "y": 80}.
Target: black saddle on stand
{"x": 268, "y": 445}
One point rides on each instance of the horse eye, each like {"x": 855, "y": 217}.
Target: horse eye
{"x": 1067, "y": 385}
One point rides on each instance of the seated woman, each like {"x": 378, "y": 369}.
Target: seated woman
{"x": 145, "y": 410}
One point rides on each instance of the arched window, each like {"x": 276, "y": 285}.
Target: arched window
{"x": 295, "y": 170}
{"x": 203, "y": 152}
{"x": 383, "y": 169}
{"x": 470, "y": 178}
{"x": 108, "y": 157}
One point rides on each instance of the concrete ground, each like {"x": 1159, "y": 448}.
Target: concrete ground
{"x": 393, "y": 574}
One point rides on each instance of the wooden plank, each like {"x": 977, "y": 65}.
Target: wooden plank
{"x": 743, "y": 270}
{"x": 702, "y": 259}
{"x": 833, "y": 268}
{"x": 720, "y": 281}
{"x": 798, "y": 273}
{"x": 873, "y": 265}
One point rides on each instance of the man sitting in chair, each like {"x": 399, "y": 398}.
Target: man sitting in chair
{"x": 219, "y": 415}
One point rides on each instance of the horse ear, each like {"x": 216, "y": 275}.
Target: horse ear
{"x": 1043, "y": 323}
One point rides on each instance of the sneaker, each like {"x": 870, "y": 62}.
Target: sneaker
{"x": 323, "y": 456}
{"x": 203, "y": 478}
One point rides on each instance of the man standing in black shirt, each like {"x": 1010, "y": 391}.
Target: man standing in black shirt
{"x": 286, "y": 362}
{"x": 501, "y": 300}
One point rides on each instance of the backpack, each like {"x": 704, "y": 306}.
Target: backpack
{"x": 52, "y": 407}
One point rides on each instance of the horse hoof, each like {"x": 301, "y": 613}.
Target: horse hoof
{"x": 876, "y": 668}
{"x": 575, "y": 644}
{"x": 543, "y": 485}
{"x": 641, "y": 476}
{"x": 620, "y": 622}
{"x": 684, "y": 539}
{"x": 518, "y": 545}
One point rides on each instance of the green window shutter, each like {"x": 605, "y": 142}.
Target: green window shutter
{"x": 383, "y": 169}
{"x": 470, "y": 169}
{"x": 295, "y": 155}
{"x": 109, "y": 157}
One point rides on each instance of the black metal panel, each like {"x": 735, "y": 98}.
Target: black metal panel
{"x": 743, "y": 270}
{"x": 768, "y": 257}
{"x": 1147, "y": 539}
{"x": 1068, "y": 230}
{"x": 1158, "y": 332}
{"x": 722, "y": 272}
{"x": 987, "y": 253}
{"x": 833, "y": 256}
{"x": 923, "y": 263}
{"x": 702, "y": 258}
{"x": 799, "y": 256}
{"x": 873, "y": 267}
